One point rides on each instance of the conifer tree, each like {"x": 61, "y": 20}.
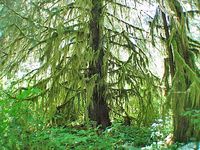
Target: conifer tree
{"x": 182, "y": 51}
{"x": 76, "y": 46}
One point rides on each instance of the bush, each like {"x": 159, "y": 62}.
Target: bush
{"x": 18, "y": 120}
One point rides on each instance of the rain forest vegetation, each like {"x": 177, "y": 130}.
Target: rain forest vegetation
{"x": 99, "y": 74}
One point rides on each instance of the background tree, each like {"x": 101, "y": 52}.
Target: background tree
{"x": 186, "y": 81}
{"x": 182, "y": 55}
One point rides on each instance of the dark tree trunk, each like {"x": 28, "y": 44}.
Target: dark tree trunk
{"x": 98, "y": 110}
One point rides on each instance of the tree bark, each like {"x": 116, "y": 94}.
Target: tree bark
{"x": 98, "y": 109}
{"x": 183, "y": 127}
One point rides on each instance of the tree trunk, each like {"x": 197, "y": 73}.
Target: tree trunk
{"x": 183, "y": 127}
{"x": 98, "y": 110}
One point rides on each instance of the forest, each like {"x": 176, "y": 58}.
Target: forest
{"x": 99, "y": 74}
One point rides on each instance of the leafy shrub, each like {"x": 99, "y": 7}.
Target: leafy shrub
{"x": 22, "y": 127}
{"x": 69, "y": 138}
{"x": 116, "y": 137}
{"x": 18, "y": 120}
{"x": 134, "y": 136}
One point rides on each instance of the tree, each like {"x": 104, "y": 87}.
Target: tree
{"x": 186, "y": 81}
{"x": 183, "y": 93}
{"x": 77, "y": 46}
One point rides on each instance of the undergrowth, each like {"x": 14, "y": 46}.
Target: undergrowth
{"x": 23, "y": 127}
